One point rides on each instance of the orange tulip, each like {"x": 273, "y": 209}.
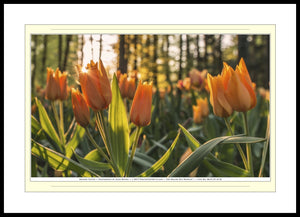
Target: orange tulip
{"x": 187, "y": 83}
{"x": 80, "y": 108}
{"x": 63, "y": 86}
{"x": 56, "y": 87}
{"x": 131, "y": 87}
{"x": 52, "y": 86}
{"x": 239, "y": 89}
{"x": 123, "y": 85}
{"x": 140, "y": 113}
{"x": 95, "y": 85}
{"x": 221, "y": 106}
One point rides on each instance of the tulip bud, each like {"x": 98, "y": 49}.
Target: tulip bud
{"x": 203, "y": 103}
{"x": 123, "y": 85}
{"x": 197, "y": 114}
{"x": 196, "y": 78}
{"x": 52, "y": 86}
{"x": 80, "y": 108}
{"x": 56, "y": 85}
{"x": 140, "y": 113}
{"x": 95, "y": 86}
{"x": 63, "y": 86}
{"x": 131, "y": 87}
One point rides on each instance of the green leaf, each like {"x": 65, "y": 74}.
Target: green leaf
{"x": 193, "y": 161}
{"x": 198, "y": 155}
{"x": 158, "y": 165}
{"x": 118, "y": 128}
{"x": 47, "y": 125}
{"x": 223, "y": 169}
{"x": 93, "y": 165}
{"x": 192, "y": 142}
{"x": 74, "y": 141}
{"x": 59, "y": 161}
{"x": 243, "y": 139}
{"x": 93, "y": 155}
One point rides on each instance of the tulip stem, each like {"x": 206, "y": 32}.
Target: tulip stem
{"x": 135, "y": 142}
{"x": 106, "y": 139}
{"x": 101, "y": 152}
{"x": 238, "y": 146}
{"x": 61, "y": 116}
{"x": 248, "y": 146}
{"x": 61, "y": 135}
{"x": 264, "y": 153}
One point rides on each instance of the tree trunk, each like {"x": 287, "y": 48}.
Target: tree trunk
{"x": 198, "y": 52}
{"x": 34, "y": 38}
{"x": 44, "y": 58}
{"x": 242, "y": 47}
{"x": 135, "y": 53}
{"x": 59, "y": 51}
{"x": 154, "y": 66}
{"x": 68, "y": 40}
{"x": 122, "y": 67}
{"x": 100, "y": 46}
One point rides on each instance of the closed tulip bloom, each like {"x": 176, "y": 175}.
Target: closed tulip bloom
{"x": 95, "y": 85}
{"x": 239, "y": 89}
{"x": 63, "y": 86}
{"x": 131, "y": 87}
{"x": 80, "y": 108}
{"x": 123, "y": 85}
{"x": 220, "y": 105}
{"x": 203, "y": 103}
{"x": 140, "y": 113}
{"x": 52, "y": 87}
{"x": 197, "y": 114}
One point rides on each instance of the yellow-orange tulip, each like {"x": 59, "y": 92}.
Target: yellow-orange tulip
{"x": 197, "y": 114}
{"x": 220, "y": 105}
{"x": 80, "y": 108}
{"x": 201, "y": 110}
{"x": 203, "y": 103}
{"x": 140, "y": 113}
{"x": 95, "y": 85}
{"x": 239, "y": 89}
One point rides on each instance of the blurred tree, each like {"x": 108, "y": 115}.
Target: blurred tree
{"x": 34, "y": 61}
{"x": 67, "y": 49}
{"x": 44, "y": 58}
{"x": 59, "y": 51}
{"x": 122, "y": 63}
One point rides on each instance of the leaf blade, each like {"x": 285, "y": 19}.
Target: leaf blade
{"x": 118, "y": 128}
{"x": 158, "y": 164}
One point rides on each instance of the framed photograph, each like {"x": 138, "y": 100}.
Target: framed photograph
{"x": 150, "y": 108}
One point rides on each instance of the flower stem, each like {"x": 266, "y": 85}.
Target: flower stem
{"x": 248, "y": 146}
{"x": 239, "y": 148}
{"x": 97, "y": 147}
{"x": 106, "y": 139}
{"x": 61, "y": 116}
{"x": 264, "y": 153}
{"x": 135, "y": 142}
